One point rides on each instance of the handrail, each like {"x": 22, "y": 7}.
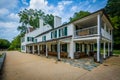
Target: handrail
{"x": 86, "y": 31}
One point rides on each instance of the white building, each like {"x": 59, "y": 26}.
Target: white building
{"x": 82, "y": 37}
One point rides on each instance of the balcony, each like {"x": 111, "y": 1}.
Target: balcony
{"x": 106, "y": 34}
{"x": 86, "y": 32}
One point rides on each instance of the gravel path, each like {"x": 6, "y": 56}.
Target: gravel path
{"x": 21, "y": 66}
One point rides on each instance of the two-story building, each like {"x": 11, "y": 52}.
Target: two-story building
{"x": 84, "y": 36}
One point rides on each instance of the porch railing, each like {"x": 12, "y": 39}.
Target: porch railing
{"x": 86, "y": 31}
{"x": 105, "y": 34}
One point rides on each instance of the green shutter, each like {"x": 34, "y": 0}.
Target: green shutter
{"x": 65, "y": 31}
{"x": 59, "y": 33}
{"x": 32, "y": 39}
{"x": 44, "y": 38}
{"x": 55, "y": 33}
{"x": 27, "y": 38}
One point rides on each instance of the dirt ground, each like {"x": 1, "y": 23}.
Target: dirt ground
{"x": 22, "y": 66}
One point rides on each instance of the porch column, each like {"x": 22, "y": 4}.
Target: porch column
{"x": 111, "y": 42}
{"x": 33, "y": 49}
{"x": 38, "y": 49}
{"x": 104, "y": 55}
{"x": 72, "y": 49}
{"x": 99, "y": 24}
{"x": 98, "y": 50}
{"x": 83, "y": 48}
{"x": 46, "y": 50}
{"x": 108, "y": 49}
{"x": 58, "y": 50}
{"x": 88, "y": 49}
{"x": 26, "y": 49}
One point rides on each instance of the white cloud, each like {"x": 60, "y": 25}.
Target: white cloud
{"x": 38, "y": 4}
{"x": 50, "y": 9}
{"x": 3, "y": 11}
{"x": 13, "y": 17}
{"x": 74, "y": 8}
{"x": 24, "y": 2}
{"x": 8, "y": 30}
{"x": 9, "y": 24}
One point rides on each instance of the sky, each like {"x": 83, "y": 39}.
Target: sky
{"x": 9, "y": 9}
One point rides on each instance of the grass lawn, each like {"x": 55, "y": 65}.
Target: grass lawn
{"x": 116, "y": 52}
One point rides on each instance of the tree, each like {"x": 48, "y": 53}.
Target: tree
{"x": 16, "y": 43}
{"x": 113, "y": 10}
{"x": 31, "y": 18}
{"x": 49, "y": 19}
{"x": 78, "y": 15}
{"x": 4, "y": 44}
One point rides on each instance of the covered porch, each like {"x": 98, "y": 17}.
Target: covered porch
{"x": 58, "y": 48}
{"x": 94, "y": 47}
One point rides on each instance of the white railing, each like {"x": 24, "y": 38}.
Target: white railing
{"x": 105, "y": 34}
{"x": 86, "y": 31}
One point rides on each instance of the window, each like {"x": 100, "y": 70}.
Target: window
{"x": 43, "y": 38}
{"x": 30, "y": 39}
{"x": 54, "y": 34}
{"x": 54, "y": 47}
{"x": 63, "y": 32}
{"x": 35, "y": 40}
{"x": 64, "y": 47}
{"x": 23, "y": 47}
{"x": 78, "y": 47}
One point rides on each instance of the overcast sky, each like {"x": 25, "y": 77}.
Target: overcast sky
{"x": 9, "y": 9}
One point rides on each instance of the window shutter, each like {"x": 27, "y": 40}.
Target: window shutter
{"x": 59, "y": 33}
{"x": 65, "y": 31}
{"x": 32, "y": 39}
{"x": 55, "y": 33}
{"x": 27, "y": 38}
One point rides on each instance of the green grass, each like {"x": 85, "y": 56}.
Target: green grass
{"x": 0, "y": 54}
{"x": 116, "y": 52}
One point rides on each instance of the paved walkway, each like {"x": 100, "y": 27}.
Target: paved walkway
{"x": 21, "y": 66}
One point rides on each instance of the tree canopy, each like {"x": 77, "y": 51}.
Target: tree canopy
{"x": 4, "y": 44}
{"x": 16, "y": 43}
{"x": 78, "y": 15}
{"x": 30, "y": 17}
{"x": 113, "y": 10}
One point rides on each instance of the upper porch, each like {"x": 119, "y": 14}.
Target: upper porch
{"x": 96, "y": 25}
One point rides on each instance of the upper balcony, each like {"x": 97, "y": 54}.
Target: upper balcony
{"x": 93, "y": 26}
{"x": 91, "y": 31}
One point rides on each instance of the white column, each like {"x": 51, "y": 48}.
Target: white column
{"x": 83, "y": 48}
{"x": 33, "y": 49}
{"x": 46, "y": 50}
{"x": 38, "y": 49}
{"x": 108, "y": 49}
{"x": 104, "y": 51}
{"x": 98, "y": 50}
{"x": 88, "y": 49}
{"x": 72, "y": 49}
{"x": 99, "y": 24}
{"x": 58, "y": 50}
{"x": 111, "y": 42}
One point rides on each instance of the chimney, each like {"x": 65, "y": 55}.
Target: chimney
{"x": 57, "y": 21}
{"x": 40, "y": 22}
